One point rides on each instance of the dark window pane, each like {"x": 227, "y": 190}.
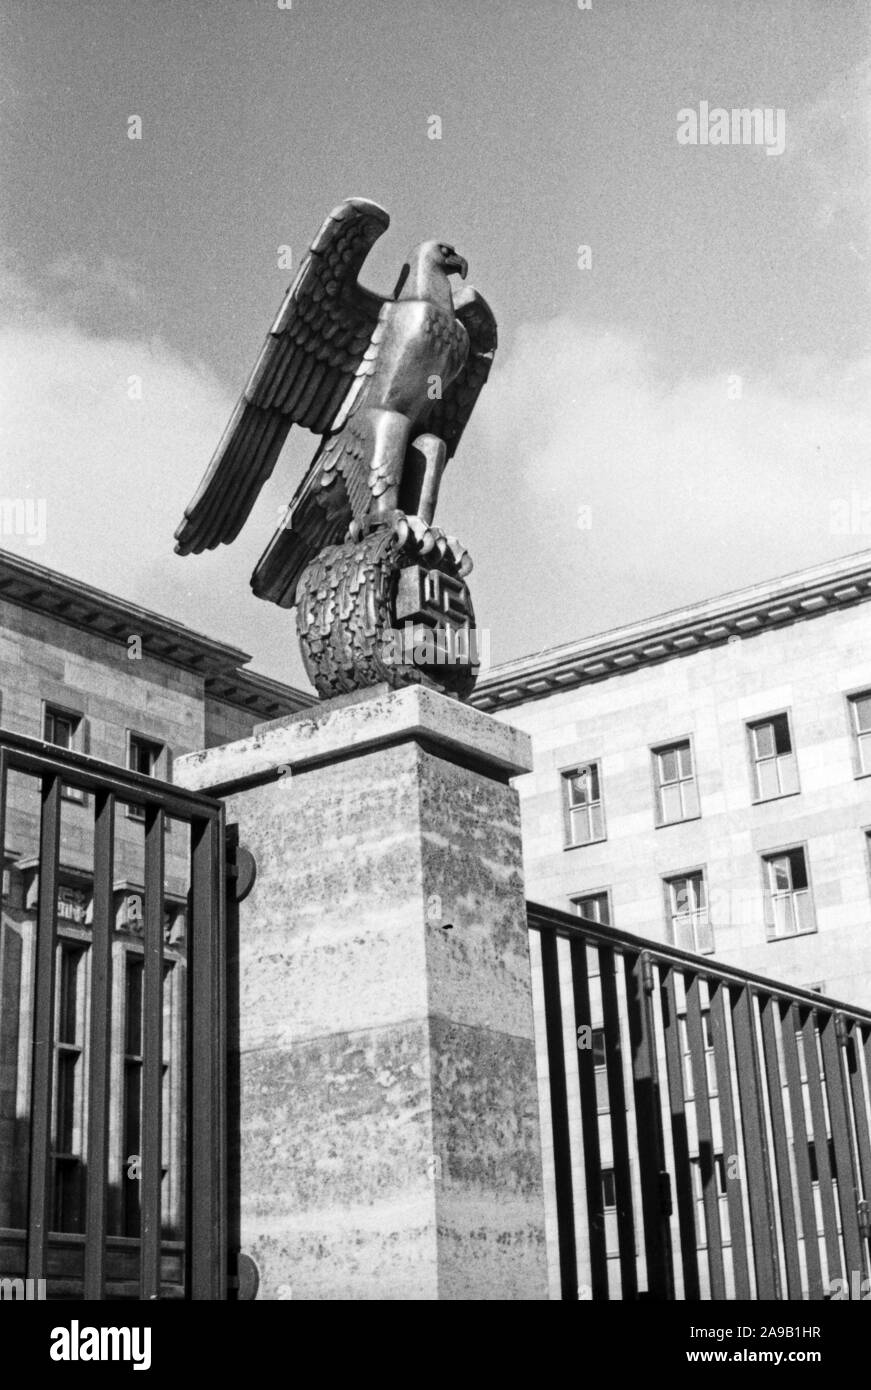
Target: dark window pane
{"x": 799, "y": 869}
{"x": 133, "y": 1042}
{"x": 609, "y": 1188}
{"x": 594, "y": 907}
{"x": 782, "y": 740}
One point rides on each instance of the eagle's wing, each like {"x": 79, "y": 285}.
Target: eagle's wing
{"x": 302, "y": 375}
{"x": 450, "y": 415}
{"x": 335, "y": 488}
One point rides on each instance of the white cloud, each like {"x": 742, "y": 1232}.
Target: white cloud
{"x": 831, "y": 139}
{"x": 115, "y": 472}
{"x": 691, "y": 493}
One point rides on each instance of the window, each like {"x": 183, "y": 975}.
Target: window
{"x": 860, "y": 713}
{"x": 600, "y": 1070}
{"x": 596, "y": 907}
{"x": 711, "y": 1167}
{"x": 677, "y": 796}
{"x": 585, "y": 821}
{"x": 812, "y": 1159}
{"x": 609, "y": 1188}
{"x": 143, "y": 756}
{"x": 788, "y": 903}
{"x": 68, "y": 1209}
{"x": 64, "y": 728}
{"x": 774, "y": 767}
{"x": 710, "y": 1056}
{"x": 687, "y": 911}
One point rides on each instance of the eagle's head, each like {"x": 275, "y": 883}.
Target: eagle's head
{"x": 424, "y": 275}
{"x": 438, "y": 255}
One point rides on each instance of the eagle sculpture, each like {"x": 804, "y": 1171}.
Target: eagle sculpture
{"x": 387, "y": 382}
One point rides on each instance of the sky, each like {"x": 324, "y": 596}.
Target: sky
{"x": 679, "y": 411}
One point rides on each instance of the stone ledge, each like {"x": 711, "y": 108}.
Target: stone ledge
{"x": 350, "y": 725}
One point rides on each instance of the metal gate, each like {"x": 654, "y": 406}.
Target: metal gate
{"x": 87, "y": 1059}
{"x": 709, "y": 1127}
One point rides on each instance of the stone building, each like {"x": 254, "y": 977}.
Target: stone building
{"x": 704, "y": 777}
{"x": 91, "y": 672}
{"x": 700, "y": 777}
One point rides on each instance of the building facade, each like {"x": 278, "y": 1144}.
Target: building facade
{"x": 87, "y": 671}
{"x": 705, "y": 777}
{"x": 702, "y": 778}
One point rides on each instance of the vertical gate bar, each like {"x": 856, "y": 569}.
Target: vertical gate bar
{"x": 152, "y": 1059}
{"x": 821, "y": 1143}
{"x": 762, "y": 1221}
{"x": 860, "y": 1111}
{"x": 619, "y": 1127}
{"x": 39, "y": 1212}
{"x": 790, "y": 1024}
{"x": 734, "y": 1185}
{"x": 100, "y": 1045}
{"x": 206, "y": 1243}
{"x": 590, "y": 1126}
{"x": 842, "y": 1141}
{"x": 562, "y": 1158}
{"x": 781, "y": 1149}
{"x": 704, "y": 1129}
{"x": 651, "y": 1142}
{"x": 4, "y": 757}
{"x": 679, "y": 1139}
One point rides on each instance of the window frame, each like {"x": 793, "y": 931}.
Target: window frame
{"x": 664, "y": 747}
{"x": 565, "y": 775}
{"x": 78, "y": 742}
{"x": 851, "y": 697}
{"x": 756, "y": 722}
{"x": 161, "y": 766}
{"x": 672, "y": 877}
{"x": 576, "y": 898}
{"x": 765, "y": 858}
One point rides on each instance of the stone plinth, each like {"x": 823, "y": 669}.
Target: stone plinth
{"x": 389, "y": 1121}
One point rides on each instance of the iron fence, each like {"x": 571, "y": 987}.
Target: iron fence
{"x": 706, "y": 1130}
{"x": 84, "y": 1038}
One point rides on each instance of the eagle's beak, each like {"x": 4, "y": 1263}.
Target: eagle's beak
{"x": 458, "y": 265}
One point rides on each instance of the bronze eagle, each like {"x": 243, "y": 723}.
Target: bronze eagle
{"x": 388, "y": 382}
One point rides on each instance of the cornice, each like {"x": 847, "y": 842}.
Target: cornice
{"x": 81, "y": 606}
{"x": 793, "y": 598}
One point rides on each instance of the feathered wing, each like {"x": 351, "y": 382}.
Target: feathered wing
{"x": 303, "y": 374}
{"x": 450, "y": 415}
{"x": 335, "y": 488}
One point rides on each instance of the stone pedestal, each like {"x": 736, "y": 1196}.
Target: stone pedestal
{"x": 389, "y": 1120}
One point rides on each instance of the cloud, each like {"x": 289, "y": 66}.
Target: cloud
{"x": 831, "y": 140}
{"x": 693, "y": 486}
{"x": 690, "y": 492}
{"x": 107, "y": 435}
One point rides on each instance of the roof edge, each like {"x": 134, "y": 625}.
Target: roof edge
{"x": 741, "y": 613}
